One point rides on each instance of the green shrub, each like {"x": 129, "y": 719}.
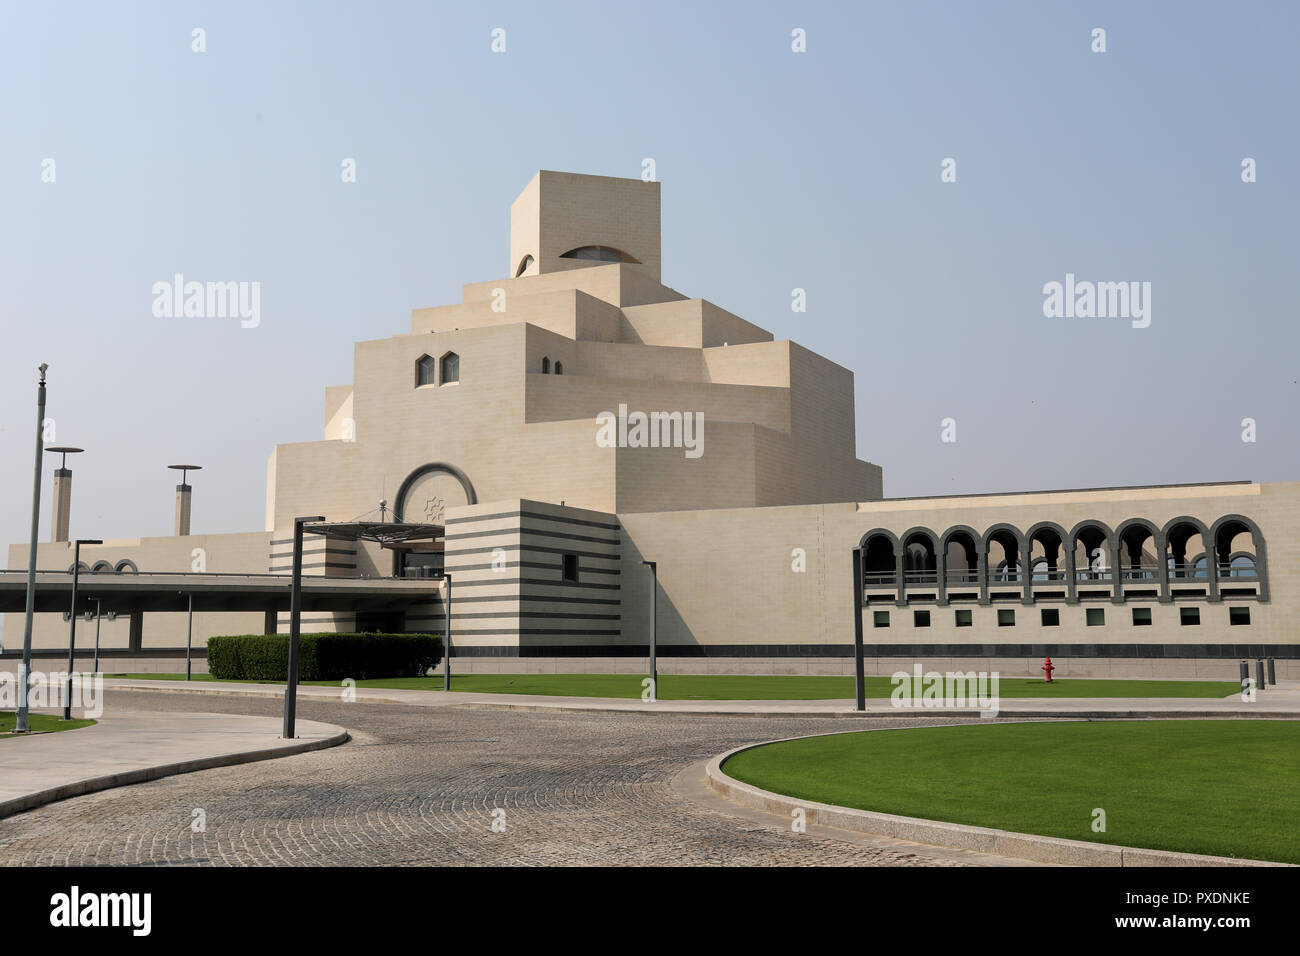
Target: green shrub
{"x": 323, "y": 656}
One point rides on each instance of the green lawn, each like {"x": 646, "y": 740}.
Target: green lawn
{"x": 756, "y": 687}
{"x": 42, "y": 723}
{"x": 1224, "y": 787}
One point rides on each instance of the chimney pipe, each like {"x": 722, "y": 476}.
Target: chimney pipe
{"x": 183, "y": 491}
{"x": 62, "y": 493}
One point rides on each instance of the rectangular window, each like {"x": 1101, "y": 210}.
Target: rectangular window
{"x": 1006, "y": 617}
{"x": 1051, "y": 617}
{"x": 1142, "y": 617}
{"x": 1238, "y": 615}
{"x": 1189, "y": 615}
{"x": 1096, "y": 617}
{"x": 881, "y": 619}
{"x": 570, "y": 569}
{"x": 920, "y": 618}
{"x": 963, "y": 617}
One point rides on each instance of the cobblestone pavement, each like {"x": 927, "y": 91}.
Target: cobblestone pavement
{"x": 419, "y": 786}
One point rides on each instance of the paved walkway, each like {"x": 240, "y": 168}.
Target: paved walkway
{"x": 426, "y": 777}
{"x": 424, "y": 785}
{"x": 1282, "y": 700}
{"x": 129, "y": 747}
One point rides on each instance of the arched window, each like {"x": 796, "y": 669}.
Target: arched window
{"x": 559, "y": 368}
{"x": 450, "y": 368}
{"x": 546, "y": 365}
{"x": 920, "y": 559}
{"x": 524, "y": 266}
{"x": 961, "y": 556}
{"x": 1007, "y": 539}
{"x": 424, "y": 367}
{"x": 879, "y": 560}
{"x": 102, "y": 566}
{"x": 1243, "y": 566}
{"x": 599, "y": 254}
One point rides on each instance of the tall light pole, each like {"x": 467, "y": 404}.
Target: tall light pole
{"x": 98, "y": 612}
{"x": 189, "y": 636}
{"x": 446, "y": 650}
{"x": 20, "y": 725}
{"x": 859, "y": 671}
{"x": 295, "y": 622}
{"x": 72, "y": 622}
{"x": 654, "y": 628}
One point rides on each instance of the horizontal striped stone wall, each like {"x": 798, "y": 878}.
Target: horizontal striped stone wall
{"x": 509, "y": 589}
{"x": 321, "y": 557}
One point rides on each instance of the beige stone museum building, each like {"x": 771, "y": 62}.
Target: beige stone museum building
{"x": 558, "y": 427}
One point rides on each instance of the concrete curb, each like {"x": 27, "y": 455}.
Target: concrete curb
{"x": 79, "y": 788}
{"x": 1024, "y": 846}
{"x": 631, "y": 706}
{"x": 1006, "y": 715}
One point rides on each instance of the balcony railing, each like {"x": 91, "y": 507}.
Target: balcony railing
{"x": 1093, "y": 576}
{"x": 879, "y": 579}
{"x": 1238, "y": 571}
{"x": 1136, "y": 572}
{"x": 1042, "y": 577}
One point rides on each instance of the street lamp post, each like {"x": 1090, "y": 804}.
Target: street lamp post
{"x": 654, "y": 628}
{"x": 859, "y": 672}
{"x": 20, "y": 725}
{"x": 72, "y": 622}
{"x": 189, "y": 637}
{"x": 446, "y": 649}
{"x": 98, "y": 612}
{"x": 295, "y": 616}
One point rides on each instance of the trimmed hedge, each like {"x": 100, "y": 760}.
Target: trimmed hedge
{"x": 323, "y": 656}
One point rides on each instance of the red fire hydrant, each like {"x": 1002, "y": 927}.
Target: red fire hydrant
{"x": 1047, "y": 668}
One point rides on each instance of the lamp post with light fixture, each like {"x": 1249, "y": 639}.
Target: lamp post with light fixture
{"x": 72, "y": 622}
{"x": 295, "y": 626}
{"x": 654, "y": 628}
{"x": 98, "y": 614}
{"x": 25, "y": 669}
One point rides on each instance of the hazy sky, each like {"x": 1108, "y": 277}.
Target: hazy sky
{"x": 818, "y": 170}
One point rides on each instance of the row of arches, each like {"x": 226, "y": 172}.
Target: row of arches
{"x": 442, "y": 371}
{"x": 546, "y": 366}
{"x": 1183, "y": 550}
{"x": 125, "y": 566}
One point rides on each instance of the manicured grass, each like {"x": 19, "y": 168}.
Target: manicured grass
{"x": 1223, "y": 787}
{"x": 754, "y": 687}
{"x": 40, "y": 723}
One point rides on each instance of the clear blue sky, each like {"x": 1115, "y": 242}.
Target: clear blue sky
{"x": 780, "y": 170}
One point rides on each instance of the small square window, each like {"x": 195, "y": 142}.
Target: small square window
{"x": 881, "y": 619}
{"x": 963, "y": 617}
{"x": 1006, "y": 617}
{"x": 1142, "y": 617}
{"x": 1096, "y": 617}
{"x": 920, "y": 618}
{"x": 1238, "y": 615}
{"x": 1051, "y": 617}
{"x": 570, "y": 569}
{"x": 1189, "y": 615}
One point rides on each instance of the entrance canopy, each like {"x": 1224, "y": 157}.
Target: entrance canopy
{"x": 389, "y": 534}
